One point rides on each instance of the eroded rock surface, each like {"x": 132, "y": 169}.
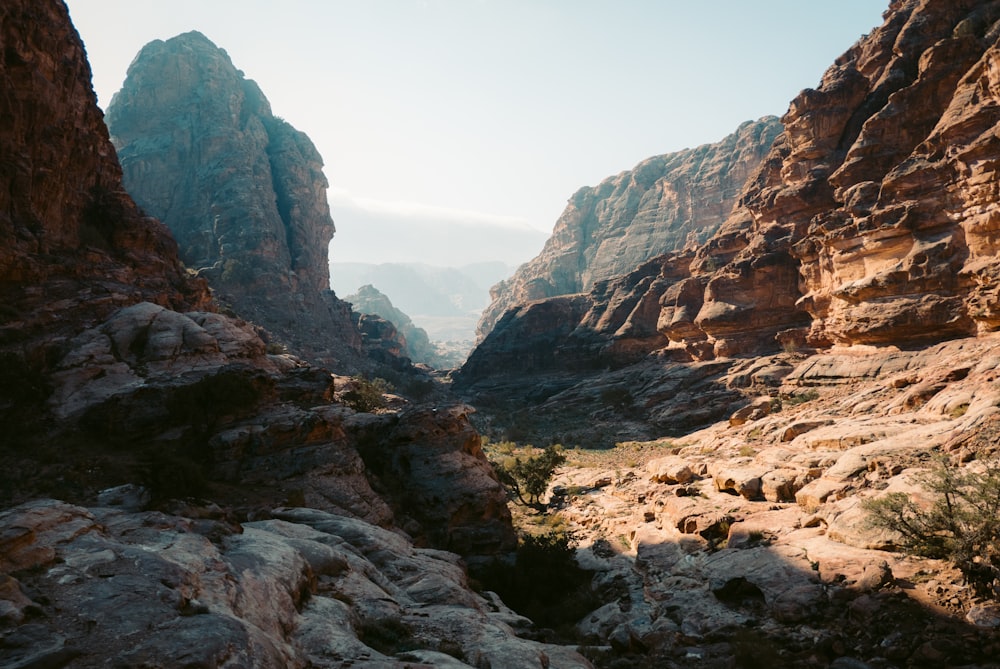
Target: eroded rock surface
{"x": 242, "y": 191}
{"x": 665, "y": 203}
{"x": 302, "y": 589}
{"x": 866, "y": 224}
{"x": 748, "y": 539}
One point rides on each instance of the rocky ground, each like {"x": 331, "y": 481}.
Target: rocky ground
{"x": 193, "y": 588}
{"x": 746, "y": 540}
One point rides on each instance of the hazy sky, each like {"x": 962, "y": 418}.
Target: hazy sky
{"x": 495, "y": 110}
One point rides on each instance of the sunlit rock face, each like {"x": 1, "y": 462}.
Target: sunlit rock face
{"x": 874, "y": 217}
{"x": 242, "y": 190}
{"x": 665, "y": 203}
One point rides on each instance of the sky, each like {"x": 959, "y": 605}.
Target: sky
{"x": 492, "y": 113}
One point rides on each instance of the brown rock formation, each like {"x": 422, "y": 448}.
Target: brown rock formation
{"x": 870, "y": 220}
{"x": 68, "y": 231}
{"x": 242, "y": 190}
{"x": 663, "y": 204}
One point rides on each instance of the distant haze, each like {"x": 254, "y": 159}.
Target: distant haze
{"x": 444, "y": 301}
{"x": 379, "y": 232}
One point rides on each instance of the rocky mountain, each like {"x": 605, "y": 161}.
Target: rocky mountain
{"x": 665, "y": 203}
{"x": 867, "y": 223}
{"x": 242, "y": 191}
{"x": 158, "y": 463}
{"x": 368, "y": 300}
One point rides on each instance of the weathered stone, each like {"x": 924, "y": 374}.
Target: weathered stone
{"x": 753, "y": 411}
{"x": 665, "y": 203}
{"x": 744, "y": 481}
{"x": 242, "y": 191}
{"x": 671, "y": 469}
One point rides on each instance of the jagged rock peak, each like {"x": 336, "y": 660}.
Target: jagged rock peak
{"x": 665, "y": 203}
{"x": 242, "y": 190}
{"x": 185, "y": 93}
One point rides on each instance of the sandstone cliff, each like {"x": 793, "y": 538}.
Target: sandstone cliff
{"x": 870, "y": 221}
{"x": 867, "y": 223}
{"x": 243, "y": 192}
{"x": 663, "y": 204}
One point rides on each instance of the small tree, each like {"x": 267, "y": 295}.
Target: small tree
{"x": 528, "y": 479}
{"x": 366, "y": 396}
{"x": 962, "y": 525}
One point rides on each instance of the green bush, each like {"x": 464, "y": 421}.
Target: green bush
{"x": 962, "y": 525}
{"x": 528, "y": 479}
{"x": 367, "y": 394}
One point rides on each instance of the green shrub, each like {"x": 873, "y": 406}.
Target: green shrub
{"x": 528, "y": 479}
{"x": 962, "y": 525}
{"x": 367, "y": 394}
{"x": 801, "y": 398}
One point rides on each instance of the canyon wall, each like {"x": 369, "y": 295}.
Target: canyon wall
{"x": 242, "y": 190}
{"x": 69, "y": 233}
{"x": 871, "y": 220}
{"x": 665, "y": 203}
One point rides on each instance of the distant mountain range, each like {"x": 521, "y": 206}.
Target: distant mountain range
{"x": 445, "y": 301}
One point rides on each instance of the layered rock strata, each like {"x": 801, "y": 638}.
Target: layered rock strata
{"x": 665, "y": 203}
{"x": 302, "y": 589}
{"x": 868, "y": 222}
{"x": 242, "y": 190}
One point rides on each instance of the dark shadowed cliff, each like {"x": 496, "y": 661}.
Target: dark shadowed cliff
{"x": 242, "y": 190}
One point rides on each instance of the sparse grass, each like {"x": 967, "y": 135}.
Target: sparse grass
{"x": 959, "y": 411}
{"x": 747, "y": 451}
{"x": 795, "y": 399}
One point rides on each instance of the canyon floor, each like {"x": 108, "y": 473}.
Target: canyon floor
{"x": 747, "y": 542}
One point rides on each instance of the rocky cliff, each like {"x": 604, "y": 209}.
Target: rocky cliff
{"x": 870, "y": 219}
{"x": 665, "y": 203}
{"x": 369, "y": 300}
{"x": 868, "y": 222}
{"x": 73, "y": 245}
{"x": 242, "y": 191}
